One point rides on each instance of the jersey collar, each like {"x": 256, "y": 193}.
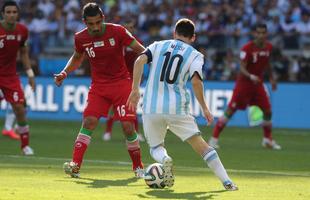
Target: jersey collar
{"x": 7, "y": 27}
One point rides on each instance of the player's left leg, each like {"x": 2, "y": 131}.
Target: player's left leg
{"x": 22, "y": 127}
{"x": 219, "y": 126}
{"x": 268, "y": 141}
{"x": 133, "y": 147}
{"x": 262, "y": 101}
{"x": 187, "y": 130}
{"x": 212, "y": 159}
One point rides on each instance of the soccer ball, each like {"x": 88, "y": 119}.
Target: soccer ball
{"x": 154, "y": 176}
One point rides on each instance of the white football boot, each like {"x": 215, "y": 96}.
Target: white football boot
{"x": 28, "y": 151}
{"x": 213, "y": 142}
{"x": 168, "y": 174}
{"x": 271, "y": 144}
{"x": 230, "y": 186}
{"x": 106, "y": 136}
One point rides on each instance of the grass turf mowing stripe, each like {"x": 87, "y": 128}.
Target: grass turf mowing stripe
{"x": 183, "y": 168}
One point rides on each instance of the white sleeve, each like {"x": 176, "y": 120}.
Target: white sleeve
{"x": 152, "y": 47}
{"x": 197, "y": 65}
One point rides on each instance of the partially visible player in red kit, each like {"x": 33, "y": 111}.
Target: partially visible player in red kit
{"x": 13, "y": 38}
{"x": 249, "y": 88}
{"x": 130, "y": 57}
{"x": 103, "y": 44}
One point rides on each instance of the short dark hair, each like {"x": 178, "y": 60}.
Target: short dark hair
{"x": 260, "y": 25}
{"x": 185, "y": 27}
{"x": 9, "y": 3}
{"x": 91, "y": 10}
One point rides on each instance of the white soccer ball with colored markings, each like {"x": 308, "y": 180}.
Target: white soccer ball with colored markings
{"x": 154, "y": 176}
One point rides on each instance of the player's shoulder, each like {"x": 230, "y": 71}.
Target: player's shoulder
{"x": 114, "y": 27}
{"x": 248, "y": 45}
{"x": 21, "y": 26}
{"x": 81, "y": 34}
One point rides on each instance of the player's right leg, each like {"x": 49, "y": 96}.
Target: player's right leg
{"x": 262, "y": 101}
{"x": 220, "y": 125}
{"x": 22, "y": 127}
{"x": 80, "y": 146}
{"x": 212, "y": 159}
{"x": 155, "y": 128}
{"x": 91, "y": 116}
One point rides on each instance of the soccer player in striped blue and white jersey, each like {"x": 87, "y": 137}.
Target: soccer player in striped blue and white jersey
{"x": 166, "y": 100}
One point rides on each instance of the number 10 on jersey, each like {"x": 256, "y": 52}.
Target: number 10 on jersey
{"x": 170, "y": 67}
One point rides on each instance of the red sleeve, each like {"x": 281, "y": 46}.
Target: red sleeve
{"x": 77, "y": 44}
{"x": 245, "y": 53}
{"x": 24, "y": 34}
{"x": 125, "y": 36}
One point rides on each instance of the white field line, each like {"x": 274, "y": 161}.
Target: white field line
{"x": 183, "y": 168}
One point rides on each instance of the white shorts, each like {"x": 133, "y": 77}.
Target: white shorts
{"x": 155, "y": 127}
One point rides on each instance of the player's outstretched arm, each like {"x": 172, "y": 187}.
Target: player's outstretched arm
{"x": 198, "y": 91}
{"x": 73, "y": 63}
{"x": 24, "y": 52}
{"x": 134, "y": 96}
{"x": 137, "y": 47}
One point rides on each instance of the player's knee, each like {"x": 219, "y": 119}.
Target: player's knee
{"x": 19, "y": 110}
{"x": 267, "y": 115}
{"x": 128, "y": 128}
{"x": 90, "y": 123}
{"x": 229, "y": 113}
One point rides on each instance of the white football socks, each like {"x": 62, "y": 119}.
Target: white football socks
{"x": 159, "y": 153}
{"x": 214, "y": 163}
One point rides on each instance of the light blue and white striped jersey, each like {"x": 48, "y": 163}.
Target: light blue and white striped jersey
{"x": 172, "y": 63}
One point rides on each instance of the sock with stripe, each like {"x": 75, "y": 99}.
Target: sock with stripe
{"x": 133, "y": 148}
{"x": 81, "y": 143}
{"x": 213, "y": 161}
{"x": 23, "y": 130}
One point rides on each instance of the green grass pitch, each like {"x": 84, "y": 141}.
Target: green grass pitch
{"x": 106, "y": 173}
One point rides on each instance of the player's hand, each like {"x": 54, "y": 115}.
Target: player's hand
{"x": 133, "y": 100}
{"x": 58, "y": 78}
{"x": 255, "y": 79}
{"x": 208, "y": 116}
{"x": 32, "y": 83}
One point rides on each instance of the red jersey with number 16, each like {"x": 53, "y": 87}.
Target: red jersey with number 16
{"x": 10, "y": 43}
{"x": 257, "y": 59}
{"x": 105, "y": 52}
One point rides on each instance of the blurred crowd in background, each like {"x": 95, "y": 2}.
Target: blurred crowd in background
{"x": 222, "y": 27}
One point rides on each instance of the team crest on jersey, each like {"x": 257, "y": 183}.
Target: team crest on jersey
{"x": 10, "y": 37}
{"x": 98, "y": 44}
{"x": 112, "y": 41}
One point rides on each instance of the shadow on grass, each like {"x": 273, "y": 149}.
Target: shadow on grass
{"x": 170, "y": 194}
{"x": 99, "y": 183}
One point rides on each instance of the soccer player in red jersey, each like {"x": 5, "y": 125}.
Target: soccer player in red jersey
{"x": 130, "y": 57}
{"x": 103, "y": 44}
{"x": 13, "y": 38}
{"x": 249, "y": 88}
